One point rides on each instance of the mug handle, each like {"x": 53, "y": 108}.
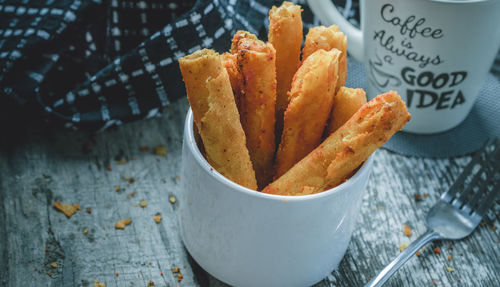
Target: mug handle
{"x": 328, "y": 14}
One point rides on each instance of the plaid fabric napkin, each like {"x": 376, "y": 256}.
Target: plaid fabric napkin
{"x": 101, "y": 63}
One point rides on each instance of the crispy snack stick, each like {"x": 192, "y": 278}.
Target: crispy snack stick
{"x": 256, "y": 63}
{"x": 237, "y": 37}
{"x": 311, "y": 100}
{"x": 344, "y": 150}
{"x": 346, "y": 102}
{"x": 230, "y": 62}
{"x": 321, "y": 37}
{"x": 216, "y": 116}
{"x": 285, "y": 33}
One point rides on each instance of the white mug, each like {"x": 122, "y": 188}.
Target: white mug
{"x": 434, "y": 53}
{"x": 249, "y": 238}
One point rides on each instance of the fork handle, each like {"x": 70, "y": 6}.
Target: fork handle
{"x": 390, "y": 269}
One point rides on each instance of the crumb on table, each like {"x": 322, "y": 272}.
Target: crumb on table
{"x": 129, "y": 179}
{"x": 67, "y": 209}
{"x": 407, "y": 230}
{"x": 177, "y": 271}
{"x": 160, "y": 150}
{"x": 172, "y": 199}
{"x": 122, "y": 223}
{"x": 157, "y": 218}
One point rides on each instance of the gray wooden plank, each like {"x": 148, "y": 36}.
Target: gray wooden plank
{"x": 39, "y": 165}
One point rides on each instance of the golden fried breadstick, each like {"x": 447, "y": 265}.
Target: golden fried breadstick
{"x": 216, "y": 116}
{"x": 346, "y": 102}
{"x": 321, "y": 37}
{"x": 230, "y": 62}
{"x": 306, "y": 116}
{"x": 237, "y": 37}
{"x": 285, "y": 33}
{"x": 256, "y": 61}
{"x": 344, "y": 150}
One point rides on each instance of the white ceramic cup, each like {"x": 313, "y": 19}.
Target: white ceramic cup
{"x": 248, "y": 238}
{"x": 435, "y": 53}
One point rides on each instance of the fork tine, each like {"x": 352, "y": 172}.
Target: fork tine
{"x": 494, "y": 180}
{"x": 481, "y": 191}
{"x": 489, "y": 200}
{"x": 486, "y": 167}
{"x": 448, "y": 195}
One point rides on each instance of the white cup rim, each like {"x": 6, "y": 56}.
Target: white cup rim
{"x": 193, "y": 148}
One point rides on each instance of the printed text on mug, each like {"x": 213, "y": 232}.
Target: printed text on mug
{"x": 424, "y": 87}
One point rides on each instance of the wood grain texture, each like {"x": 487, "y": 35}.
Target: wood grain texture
{"x": 39, "y": 166}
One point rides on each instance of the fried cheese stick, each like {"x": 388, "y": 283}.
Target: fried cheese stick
{"x": 285, "y": 34}
{"x": 216, "y": 116}
{"x": 306, "y": 116}
{"x": 346, "y": 102}
{"x": 344, "y": 150}
{"x": 256, "y": 63}
{"x": 327, "y": 38}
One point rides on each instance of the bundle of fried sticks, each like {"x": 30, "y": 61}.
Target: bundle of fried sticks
{"x": 272, "y": 121}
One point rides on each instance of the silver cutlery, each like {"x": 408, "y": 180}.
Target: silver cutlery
{"x": 459, "y": 210}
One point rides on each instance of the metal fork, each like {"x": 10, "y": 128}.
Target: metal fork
{"x": 459, "y": 210}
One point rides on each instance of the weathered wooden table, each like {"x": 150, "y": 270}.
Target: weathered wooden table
{"x": 110, "y": 174}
